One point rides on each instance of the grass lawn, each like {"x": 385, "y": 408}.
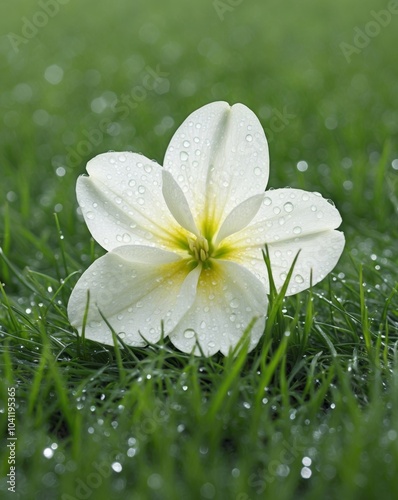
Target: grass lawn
{"x": 312, "y": 412}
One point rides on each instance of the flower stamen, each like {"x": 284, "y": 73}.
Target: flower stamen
{"x": 199, "y": 248}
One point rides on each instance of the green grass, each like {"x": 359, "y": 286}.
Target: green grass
{"x": 312, "y": 412}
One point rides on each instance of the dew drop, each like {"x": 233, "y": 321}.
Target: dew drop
{"x": 183, "y": 156}
{"x": 186, "y": 144}
{"x": 313, "y": 208}
{"x": 288, "y": 207}
{"x": 211, "y": 344}
{"x": 305, "y": 197}
{"x": 189, "y": 333}
{"x": 249, "y": 138}
{"x": 126, "y": 238}
{"x": 90, "y": 215}
{"x": 267, "y": 201}
{"x": 319, "y": 215}
{"x": 141, "y": 189}
{"x": 148, "y": 168}
{"x": 297, "y": 230}
{"x": 298, "y": 278}
{"x": 131, "y": 183}
{"x": 234, "y": 303}
{"x": 277, "y": 210}
{"x": 257, "y": 171}
{"x": 122, "y": 158}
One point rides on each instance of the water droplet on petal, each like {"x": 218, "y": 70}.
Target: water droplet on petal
{"x": 267, "y": 201}
{"x": 257, "y": 171}
{"x": 288, "y": 207}
{"x": 90, "y": 215}
{"x": 297, "y": 230}
{"x": 183, "y": 156}
{"x": 277, "y": 210}
{"x": 122, "y": 158}
{"x": 186, "y": 144}
{"x": 189, "y": 333}
{"x": 234, "y": 303}
{"x": 249, "y": 138}
{"x": 298, "y": 278}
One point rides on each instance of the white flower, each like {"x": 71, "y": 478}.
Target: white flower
{"x": 185, "y": 240}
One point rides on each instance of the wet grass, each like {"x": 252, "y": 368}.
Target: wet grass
{"x": 312, "y": 412}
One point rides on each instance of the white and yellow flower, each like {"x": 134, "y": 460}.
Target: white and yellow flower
{"x": 185, "y": 240}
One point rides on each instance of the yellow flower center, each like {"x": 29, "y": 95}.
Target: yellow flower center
{"x": 199, "y": 248}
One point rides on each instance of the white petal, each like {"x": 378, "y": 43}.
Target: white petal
{"x": 290, "y": 220}
{"x": 319, "y": 254}
{"x": 122, "y": 202}
{"x": 135, "y": 288}
{"x": 177, "y": 203}
{"x": 228, "y": 298}
{"x": 240, "y": 217}
{"x": 219, "y": 157}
